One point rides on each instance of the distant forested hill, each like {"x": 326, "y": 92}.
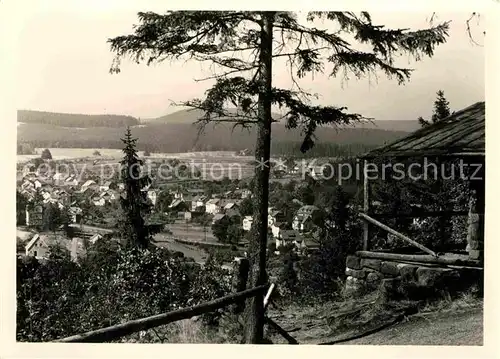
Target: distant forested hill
{"x": 181, "y": 137}
{"x": 190, "y": 116}
{"x": 177, "y": 132}
{"x": 74, "y": 120}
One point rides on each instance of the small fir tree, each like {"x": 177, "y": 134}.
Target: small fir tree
{"x": 134, "y": 203}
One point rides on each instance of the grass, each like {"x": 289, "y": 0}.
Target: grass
{"x": 344, "y": 319}
{"x": 465, "y": 300}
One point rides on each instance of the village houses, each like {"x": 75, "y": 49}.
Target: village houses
{"x": 212, "y": 206}
{"x": 198, "y": 204}
{"x": 247, "y": 223}
{"x": 305, "y": 218}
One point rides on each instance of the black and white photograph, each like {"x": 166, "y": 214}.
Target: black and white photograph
{"x": 298, "y": 177}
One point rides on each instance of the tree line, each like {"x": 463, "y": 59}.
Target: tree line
{"x": 75, "y": 120}
{"x": 184, "y": 137}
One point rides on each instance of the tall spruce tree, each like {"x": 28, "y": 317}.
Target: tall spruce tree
{"x": 441, "y": 110}
{"x": 132, "y": 227}
{"x": 243, "y": 45}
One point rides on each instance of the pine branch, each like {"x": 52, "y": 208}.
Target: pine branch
{"x": 222, "y": 38}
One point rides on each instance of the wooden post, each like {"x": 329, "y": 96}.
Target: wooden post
{"x": 240, "y": 280}
{"x": 475, "y": 230}
{"x": 366, "y": 205}
{"x": 439, "y": 183}
{"x": 267, "y": 298}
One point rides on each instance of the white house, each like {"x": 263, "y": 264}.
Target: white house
{"x": 59, "y": 177}
{"x": 88, "y": 183}
{"x": 276, "y": 230}
{"x": 247, "y": 223}
{"x": 37, "y": 247}
{"x": 230, "y": 205}
{"x": 34, "y": 215}
{"x": 153, "y": 195}
{"x": 197, "y": 202}
{"x": 288, "y": 237}
{"x": 316, "y": 172}
{"x": 245, "y": 193}
{"x": 37, "y": 184}
{"x": 71, "y": 181}
{"x": 212, "y": 206}
{"x": 96, "y": 237}
{"x": 75, "y": 214}
{"x": 53, "y": 201}
{"x": 99, "y": 201}
{"x": 274, "y": 216}
{"x": 106, "y": 186}
{"x": 305, "y": 218}
{"x": 178, "y": 195}
{"x": 27, "y": 184}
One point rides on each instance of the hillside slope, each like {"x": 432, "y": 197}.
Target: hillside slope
{"x": 74, "y": 120}
{"x": 190, "y": 116}
{"x": 177, "y": 137}
{"x": 177, "y": 132}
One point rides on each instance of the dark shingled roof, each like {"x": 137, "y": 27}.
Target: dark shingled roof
{"x": 462, "y": 133}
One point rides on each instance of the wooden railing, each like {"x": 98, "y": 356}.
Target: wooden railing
{"x": 121, "y": 330}
{"x": 118, "y": 331}
{"x": 373, "y": 221}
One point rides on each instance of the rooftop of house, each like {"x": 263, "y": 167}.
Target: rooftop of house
{"x": 275, "y": 212}
{"x": 461, "y": 133}
{"x": 88, "y": 183}
{"x": 176, "y": 202}
{"x": 306, "y": 210}
{"x": 219, "y": 216}
{"x": 290, "y": 235}
{"x": 213, "y": 201}
{"x": 224, "y": 202}
{"x": 196, "y": 191}
{"x": 33, "y": 241}
{"x": 233, "y": 212}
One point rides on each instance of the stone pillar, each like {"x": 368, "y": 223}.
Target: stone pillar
{"x": 475, "y": 231}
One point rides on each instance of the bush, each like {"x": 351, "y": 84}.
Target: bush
{"x": 46, "y": 155}
{"x": 58, "y": 298}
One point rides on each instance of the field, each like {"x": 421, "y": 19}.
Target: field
{"x": 212, "y": 164}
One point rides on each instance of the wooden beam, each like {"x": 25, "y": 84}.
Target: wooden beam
{"x": 421, "y": 214}
{"x": 121, "y": 330}
{"x": 366, "y": 205}
{"x": 397, "y": 234}
{"x": 408, "y": 154}
{"x": 281, "y": 331}
{"x": 419, "y": 258}
{"x": 268, "y": 295}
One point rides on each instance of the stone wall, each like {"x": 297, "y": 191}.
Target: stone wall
{"x": 405, "y": 279}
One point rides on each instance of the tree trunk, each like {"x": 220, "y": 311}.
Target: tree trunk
{"x": 254, "y": 329}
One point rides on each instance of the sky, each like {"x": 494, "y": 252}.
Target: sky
{"x": 63, "y": 64}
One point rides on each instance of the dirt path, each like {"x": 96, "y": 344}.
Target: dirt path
{"x": 460, "y": 328}
{"x": 321, "y": 324}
